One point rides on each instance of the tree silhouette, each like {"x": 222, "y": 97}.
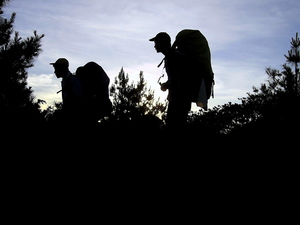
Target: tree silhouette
{"x": 293, "y": 57}
{"x": 135, "y": 104}
{"x": 18, "y": 105}
{"x": 131, "y": 101}
{"x": 271, "y": 110}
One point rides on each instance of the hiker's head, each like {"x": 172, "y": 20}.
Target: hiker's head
{"x": 61, "y": 67}
{"x": 162, "y": 42}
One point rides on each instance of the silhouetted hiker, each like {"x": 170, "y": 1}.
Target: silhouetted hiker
{"x": 94, "y": 82}
{"x": 71, "y": 92}
{"x": 176, "y": 68}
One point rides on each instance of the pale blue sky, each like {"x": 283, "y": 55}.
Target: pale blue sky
{"x": 245, "y": 37}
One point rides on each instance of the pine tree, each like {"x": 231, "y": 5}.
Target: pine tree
{"x": 283, "y": 84}
{"x": 19, "y": 109}
{"x": 132, "y": 101}
{"x": 293, "y": 58}
{"x": 134, "y": 105}
{"x": 272, "y": 109}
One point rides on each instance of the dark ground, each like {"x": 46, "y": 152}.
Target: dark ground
{"x": 146, "y": 167}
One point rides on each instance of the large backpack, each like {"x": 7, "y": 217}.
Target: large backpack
{"x": 94, "y": 82}
{"x": 194, "y": 46}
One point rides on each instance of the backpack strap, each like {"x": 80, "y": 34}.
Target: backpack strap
{"x": 161, "y": 62}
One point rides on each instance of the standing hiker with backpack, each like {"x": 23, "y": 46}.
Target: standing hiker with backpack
{"x": 176, "y": 68}
{"x": 190, "y": 75}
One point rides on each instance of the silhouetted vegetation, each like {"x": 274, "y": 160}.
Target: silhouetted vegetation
{"x": 235, "y": 140}
{"x": 270, "y": 111}
{"x": 135, "y": 109}
{"x": 20, "y": 110}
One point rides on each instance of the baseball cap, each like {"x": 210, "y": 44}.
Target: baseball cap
{"x": 162, "y": 36}
{"x": 61, "y": 61}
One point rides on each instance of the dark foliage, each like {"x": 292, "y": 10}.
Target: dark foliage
{"x": 19, "y": 109}
{"x": 135, "y": 110}
{"x": 270, "y": 111}
{"x": 245, "y": 149}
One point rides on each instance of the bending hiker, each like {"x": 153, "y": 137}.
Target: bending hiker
{"x": 178, "y": 97}
{"x": 71, "y": 92}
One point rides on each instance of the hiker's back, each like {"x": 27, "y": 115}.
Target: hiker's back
{"x": 194, "y": 46}
{"x": 95, "y": 81}
{"x": 95, "y": 84}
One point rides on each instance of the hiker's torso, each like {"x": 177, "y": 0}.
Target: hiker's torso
{"x": 71, "y": 92}
{"x": 176, "y": 68}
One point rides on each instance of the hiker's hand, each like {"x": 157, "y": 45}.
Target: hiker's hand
{"x": 164, "y": 86}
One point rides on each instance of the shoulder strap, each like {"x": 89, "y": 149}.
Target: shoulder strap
{"x": 161, "y": 62}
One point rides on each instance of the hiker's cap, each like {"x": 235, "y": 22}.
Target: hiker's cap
{"x": 162, "y": 36}
{"x": 61, "y": 61}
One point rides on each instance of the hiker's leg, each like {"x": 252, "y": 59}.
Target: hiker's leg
{"x": 177, "y": 116}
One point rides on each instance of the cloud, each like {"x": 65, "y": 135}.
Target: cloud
{"x": 45, "y": 87}
{"x": 244, "y": 36}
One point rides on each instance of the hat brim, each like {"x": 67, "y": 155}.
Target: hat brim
{"x": 61, "y": 61}
{"x": 152, "y": 39}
